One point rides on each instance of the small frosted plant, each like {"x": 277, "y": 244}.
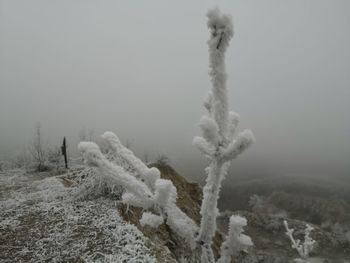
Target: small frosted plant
{"x": 236, "y": 241}
{"x": 304, "y": 248}
{"x": 217, "y": 142}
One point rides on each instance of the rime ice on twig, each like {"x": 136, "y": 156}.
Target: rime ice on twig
{"x": 304, "y": 248}
{"x": 149, "y": 175}
{"x": 217, "y": 142}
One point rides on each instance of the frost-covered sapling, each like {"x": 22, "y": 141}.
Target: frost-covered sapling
{"x": 304, "y": 248}
{"x": 217, "y": 142}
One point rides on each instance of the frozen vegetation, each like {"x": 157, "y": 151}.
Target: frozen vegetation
{"x": 146, "y": 190}
{"x": 219, "y": 145}
{"x": 303, "y": 248}
{"x": 76, "y": 217}
{"x": 41, "y": 220}
{"x": 79, "y": 215}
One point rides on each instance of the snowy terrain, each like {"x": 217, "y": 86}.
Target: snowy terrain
{"x": 42, "y": 220}
{"x": 48, "y": 218}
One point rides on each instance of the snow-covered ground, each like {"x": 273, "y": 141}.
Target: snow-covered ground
{"x": 42, "y": 220}
{"x": 71, "y": 218}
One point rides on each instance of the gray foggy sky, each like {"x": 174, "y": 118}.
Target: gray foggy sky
{"x": 139, "y": 68}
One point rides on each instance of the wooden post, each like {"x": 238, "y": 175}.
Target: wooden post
{"x": 64, "y": 152}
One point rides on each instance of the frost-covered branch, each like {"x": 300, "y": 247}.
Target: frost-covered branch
{"x": 218, "y": 127}
{"x": 149, "y": 175}
{"x": 304, "y": 248}
{"x": 116, "y": 174}
{"x": 235, "y": 241}
{"x": 147, "y": 192}
{"x": 239, "y": 145}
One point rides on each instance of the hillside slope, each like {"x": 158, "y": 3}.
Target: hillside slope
{"x": 43, "y": 221}
{"x": 46, "y": 218}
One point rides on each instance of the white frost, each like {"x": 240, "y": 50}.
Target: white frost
{"x": 235, "y": 241}
{"x": 151, "y": 220}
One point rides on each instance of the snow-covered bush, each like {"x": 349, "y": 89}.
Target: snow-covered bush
{"x": 304, "y": 248}
{"x": 143, "y": 186}
{"x": 217, "y": 142}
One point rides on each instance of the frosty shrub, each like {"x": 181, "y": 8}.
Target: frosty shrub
{"x": 219, "y": 144}
{"x": 304, "y": 248}
{"x": 143, "y": 186}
